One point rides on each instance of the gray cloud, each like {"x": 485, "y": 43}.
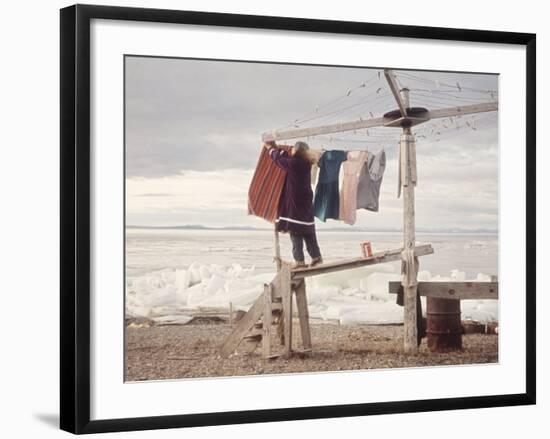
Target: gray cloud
{"x": 208, "y": 115}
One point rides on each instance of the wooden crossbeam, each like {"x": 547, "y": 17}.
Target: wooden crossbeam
{"x": 341, "y": 127}
{"x": 462, "y": 110}
{"x": 453, "y": 290}
{"x": 325, "y": 129}
{"x": 392, "y": 82}
{"x": 347, "y": 264}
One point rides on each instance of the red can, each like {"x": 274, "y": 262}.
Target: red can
{"x": 367, "y": 249}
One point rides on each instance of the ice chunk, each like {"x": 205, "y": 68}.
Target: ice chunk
{"x": 215, "y": 284}
{"x": 262, "y": 278}
{"x": 246, "y": 297}
{"x": 182, "y": 279}
{"x": 350, "y": 291}
{"x": 218, "y": 301}
{"x": 177, "y": 319}
{"x": 424, "y": 275}
{"x": 319, "y": 295}
{"x": 374, "y": 313}
{"x": 237, "y": 284}
{"x": 204, "y": 273}
{"x": 196, "y": 296}
{"x": 376, "y": 286}
{"x": 458, "y": 275}
{"x": 481, "y": 277}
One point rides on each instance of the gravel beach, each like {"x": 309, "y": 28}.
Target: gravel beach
{"x": 192, "y": 350}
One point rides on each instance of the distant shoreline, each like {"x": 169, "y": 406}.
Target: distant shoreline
{"x": 319, "y": 229}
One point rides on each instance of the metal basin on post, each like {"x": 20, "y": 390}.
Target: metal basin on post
{"x": 444, "y": 329}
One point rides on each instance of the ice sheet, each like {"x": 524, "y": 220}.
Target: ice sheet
{"x": 351, "y": 297}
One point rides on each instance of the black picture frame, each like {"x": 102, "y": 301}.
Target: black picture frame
{"x": 75, "y": 217}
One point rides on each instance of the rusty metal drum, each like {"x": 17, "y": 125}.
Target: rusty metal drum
{"x": 444, "y": 328}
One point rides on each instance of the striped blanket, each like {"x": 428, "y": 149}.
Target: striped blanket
{"x": 266, "y": 187}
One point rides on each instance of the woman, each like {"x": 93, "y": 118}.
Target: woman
{"x": 295, "y": 213}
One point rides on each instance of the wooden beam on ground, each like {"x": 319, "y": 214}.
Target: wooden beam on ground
{"x": 462, "y": 110}
{"x": 325, "y": 129}
{"x": 392, "y": 81}
{"x": 453, "y": 290}
{"x": 347, "y": 264}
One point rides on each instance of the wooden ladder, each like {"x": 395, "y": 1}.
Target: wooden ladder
{"x": 272, "y": 309}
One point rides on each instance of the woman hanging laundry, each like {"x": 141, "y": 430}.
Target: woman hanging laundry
{"x": 295, "y": 212}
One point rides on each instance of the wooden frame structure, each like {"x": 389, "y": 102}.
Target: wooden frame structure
{"x": 405, "y": 117}
{"x": 274, "y": 306}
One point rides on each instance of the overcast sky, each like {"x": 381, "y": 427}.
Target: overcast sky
{"x": 193, "y": 136}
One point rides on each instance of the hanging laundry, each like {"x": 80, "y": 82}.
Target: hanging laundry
{"x": 327, "y": 197}
{"x": 348, "y": 194}
{"x": 295, "y": 212}
{"x": 370, "y": 179}
{"x": 266, "y": 187}
{"x": 316, "y": 155}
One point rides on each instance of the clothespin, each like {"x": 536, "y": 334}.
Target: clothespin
{"x": 378, "y": 91}
{"x": 458, "y": 86}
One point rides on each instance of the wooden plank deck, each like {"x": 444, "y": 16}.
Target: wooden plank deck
{"x": 346, "y": 264}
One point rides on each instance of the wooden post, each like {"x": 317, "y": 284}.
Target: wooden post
{"x": 266, "y": 321}
{"x": 277, "y": 248}
{"x": 408, "y": 157}
{"x": 303, "y": 314}
{"x": 286, "y": 294}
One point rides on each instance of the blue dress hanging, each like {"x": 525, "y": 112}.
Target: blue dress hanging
{"x": 327, "y": 196}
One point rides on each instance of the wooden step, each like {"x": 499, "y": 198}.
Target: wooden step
{"x": 256, "y": 336}
{"x": 253, "y": 337}
{"x": 242, "y": 328}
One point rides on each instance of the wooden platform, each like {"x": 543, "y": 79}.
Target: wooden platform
{"x": 453, "y": 290}
{"x": 346, "y": 264}
{"x": 274, "y": 306}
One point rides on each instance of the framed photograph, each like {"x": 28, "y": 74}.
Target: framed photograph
{"x": 276, "y": 218}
